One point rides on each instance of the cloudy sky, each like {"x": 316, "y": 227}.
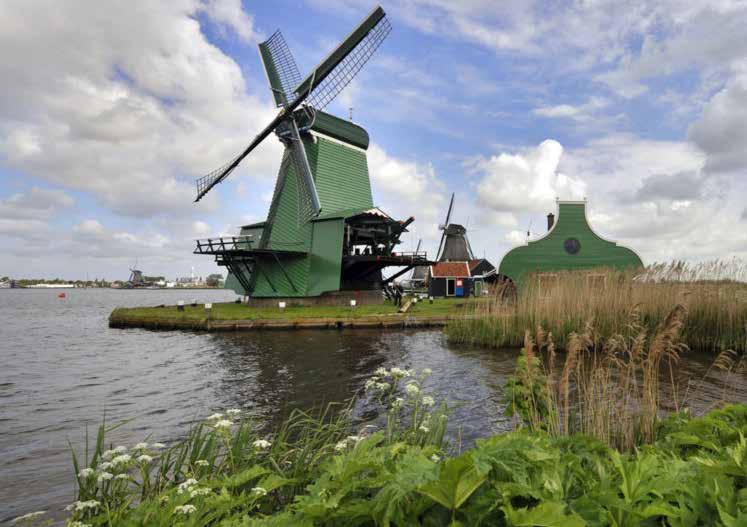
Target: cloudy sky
{"x": 109, "y": 110}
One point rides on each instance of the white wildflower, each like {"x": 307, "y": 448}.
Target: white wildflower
{"x": 435, "y": 458}
{"x": 341, "y": 445}
{"x": 122, "y": 476}
{"x": 202, "y": 463}
{"x": 399, "y": 372}
{"x": 381, "y": 372}
{"x": 398, "y": 402}
{"x": 158, "y": 446}
{"x": 427, "y": 371}
{"x": 83, "y": 505}
{"x": 186, "y": 486}
{"x": 424, "y": 429}
{"x": 121, "y": 459}
{"x": 141, "y": 446}
{"x": 86, "y": 473}
{"x": 199, "y": 491}
{"x": 120, "y": 449}
{"x": 108, "y": 454}
{"x": 383, "y": 386}
{"x": 144, "y": 458}
{"x": 370, "y": 383}
{"x": 233, "y": 412}
{"x": 106, "y": 465}
{"x": 261, "y": 444}
{"x": 104, "y": 476}
{"x": 412, "y": 390}
{"x": 259, "y": 491}
{"x": 28, "y": 517}
{"x": 223, "y": 423}
{"x": 184, "y": 509}
{"x": 428, "y": 401}
{"x": 215, "y": 417}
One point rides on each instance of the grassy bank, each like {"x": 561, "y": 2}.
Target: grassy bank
{"x": 716, "y": 304}
{"x": 331, "y": 470}
{"x": 230, "y": 311}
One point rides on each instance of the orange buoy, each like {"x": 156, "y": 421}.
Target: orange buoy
{"x": 62, "y": 295}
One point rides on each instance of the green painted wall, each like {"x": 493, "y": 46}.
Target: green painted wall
{"x": 326, "y": 252}
{"x": 340, "y": 174}
{"x": 549, "y": 254}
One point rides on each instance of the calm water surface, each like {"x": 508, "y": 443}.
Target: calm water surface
{"x": 63, "y": 368}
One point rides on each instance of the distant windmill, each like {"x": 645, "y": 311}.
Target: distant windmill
{"x": 454, "y": 245}
{"x": 419, "y": 274}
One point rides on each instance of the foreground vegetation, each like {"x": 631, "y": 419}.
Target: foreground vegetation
{"x": 233, "y": 311}
{"x": 715, "y": 295}
{"x": 632, "y": 465}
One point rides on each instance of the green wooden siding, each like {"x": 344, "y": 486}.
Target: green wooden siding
{"x": 289, "y": 231}
{"x": 326, "y": 252}
{"x": 549, "y": 254}
{"x": 341, "y": 176}
{"x": 296, "y": 268}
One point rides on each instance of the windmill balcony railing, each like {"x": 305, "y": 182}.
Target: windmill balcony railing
{"x": 225, "y": 244}
{"x": 415, "y": 256}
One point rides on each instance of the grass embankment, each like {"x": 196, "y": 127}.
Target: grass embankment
{"x": 330, "y": 471}
{"x": 230, "y": 313}
{"x": 716, "y": 305}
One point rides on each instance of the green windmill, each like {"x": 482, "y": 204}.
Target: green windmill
{"x": 323, "y": 240}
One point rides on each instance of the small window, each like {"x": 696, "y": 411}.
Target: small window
{"x": 572, "y": 246}
{"x": 450, "y": 287}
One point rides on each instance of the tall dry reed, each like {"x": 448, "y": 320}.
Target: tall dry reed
{"x": 611, "y": 391}
{"x": 714, "y": 294}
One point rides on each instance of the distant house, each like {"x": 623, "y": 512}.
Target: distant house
{"x": 448, "y": 279}
{"x": 482, "y": 268}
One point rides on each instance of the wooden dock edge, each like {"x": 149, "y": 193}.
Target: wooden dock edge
{"x": 372, "y": 322}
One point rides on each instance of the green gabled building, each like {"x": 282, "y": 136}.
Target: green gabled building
{"x": 570, "y": 244}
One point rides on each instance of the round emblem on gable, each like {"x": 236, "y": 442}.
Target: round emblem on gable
{"x": 572, "y": 245}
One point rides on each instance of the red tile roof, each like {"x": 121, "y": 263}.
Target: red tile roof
{"x": 450, "y": 270}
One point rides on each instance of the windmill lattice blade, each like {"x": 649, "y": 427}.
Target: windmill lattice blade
{"x": 448, "y": 214}
{"x": 344, "y": 72}
{"x": 308, "y": 203}
{"x": 206, "y": 182}
{"x": 280, "y": 67}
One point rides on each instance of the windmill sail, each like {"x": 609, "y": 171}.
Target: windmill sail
{"x": 280, "y": 67}
{"x": 321, "y": 86}
{"x": 335, "y": 72}
{"x": 309, "y": 199}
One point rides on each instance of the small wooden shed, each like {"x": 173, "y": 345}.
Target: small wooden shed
{"x": 447, "y": 279}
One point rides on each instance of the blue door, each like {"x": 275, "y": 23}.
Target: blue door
{"x": 459, "y": 289}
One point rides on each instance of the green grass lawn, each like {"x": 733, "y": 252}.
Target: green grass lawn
{"x": 232, "y": 311}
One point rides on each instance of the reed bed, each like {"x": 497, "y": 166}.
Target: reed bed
{"x": 713, "y": 293}
{"x": 614, "y": 391}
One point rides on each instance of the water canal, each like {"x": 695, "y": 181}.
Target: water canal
{"x": 64, "y": 368}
